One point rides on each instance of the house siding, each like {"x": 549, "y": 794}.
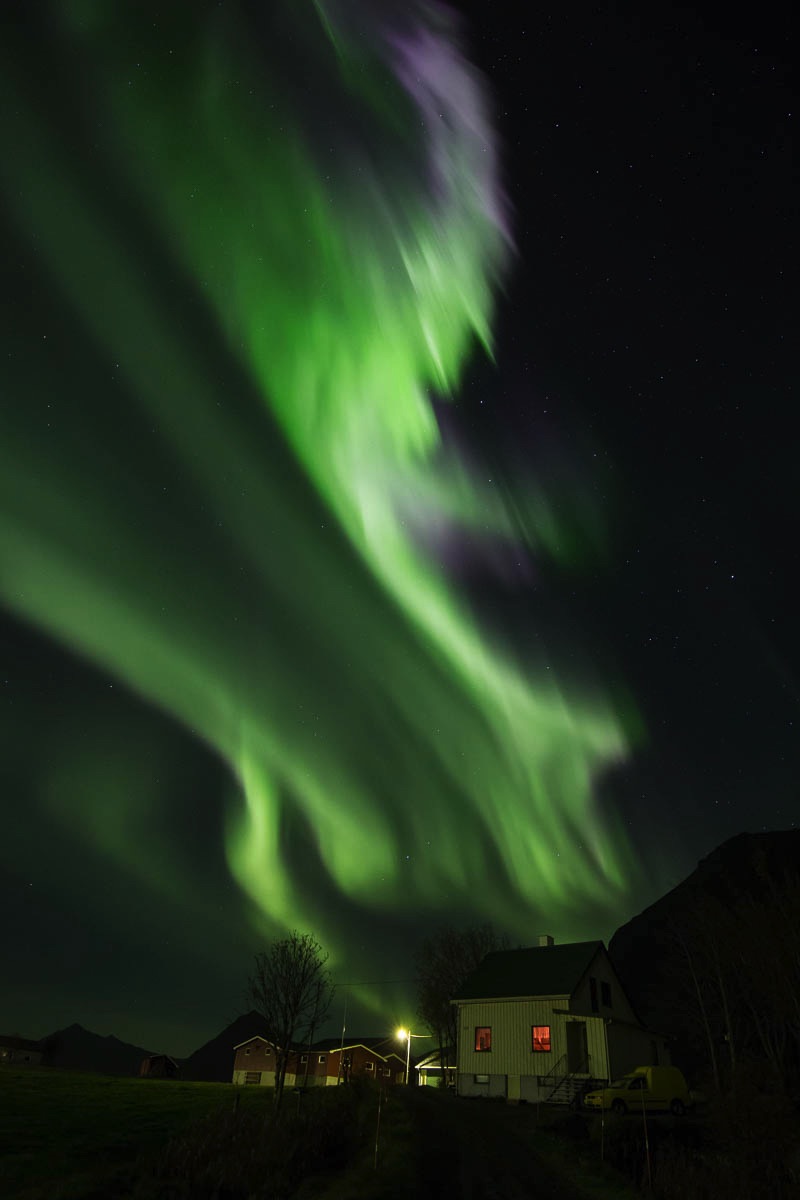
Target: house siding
{"x": 256, "y": 1057}
{"x": 512, "y": 1056}
{"x": 20, "y": 1056}
{"x": 602, "y": 971}
{"x": 632, "y": 1047}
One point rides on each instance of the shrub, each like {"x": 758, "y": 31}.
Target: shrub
{"x": 244, "y": 1156}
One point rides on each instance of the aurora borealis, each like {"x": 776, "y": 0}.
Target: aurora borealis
{"x": 256, "y": 253}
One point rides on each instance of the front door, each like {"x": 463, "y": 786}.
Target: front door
{"x": 577, "y": 1047}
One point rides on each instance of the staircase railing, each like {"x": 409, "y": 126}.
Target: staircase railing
{"x": 544, "y": 1080}
{"x": 569, "y": 1077}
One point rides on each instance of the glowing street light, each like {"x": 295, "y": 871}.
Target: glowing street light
{"x": 407, "y": 1035}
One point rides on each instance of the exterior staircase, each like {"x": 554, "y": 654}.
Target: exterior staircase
{"x": 571, "y": 1089}
{"x": 565, "y": 1087}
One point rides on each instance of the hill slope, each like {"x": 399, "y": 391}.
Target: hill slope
{"x": 78, "y": 1049}
{"x": 743, "y": 874}
{"x": 213, "y": 1062}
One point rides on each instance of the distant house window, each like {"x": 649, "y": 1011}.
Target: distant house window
{"x": 322, "y": 1058}
{"x": 605, "y": 992}
{"x": 247, "y": 1051}
{"x": 540, "y": 1039}
{"x": 481, "y": 1078}
{"x": 593, "y": 994}
{"x": 387, "y": 1071}
{"x": 483, "y": 1037}
{"x": 369, "y": 1066}
{"x": 303, "y": 1058}
{"x": 252, "y": 1077}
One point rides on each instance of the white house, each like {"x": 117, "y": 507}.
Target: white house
{"x": 546, "y": 1023}
{"x": 430, "y": 1073}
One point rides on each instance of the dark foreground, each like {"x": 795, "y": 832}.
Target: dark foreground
{"x": 70, "y": 1136}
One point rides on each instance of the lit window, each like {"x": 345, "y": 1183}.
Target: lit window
{"x": 540, "y": 1038}
{"x": 483, "y": 1037}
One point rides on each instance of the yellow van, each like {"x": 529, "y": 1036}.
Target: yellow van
{"x": 651, "y": 1088}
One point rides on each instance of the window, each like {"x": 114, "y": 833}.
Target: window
{"x": 593, "y": 994}
{"x": 369, "y": 1066}
{"x": 481, "y": 1078}
{"x": 483, "y": 1037}
{"x": 247, "y": 1051}
{"x": 267, "y": 1051}
{"x": 540, "y": 1039}
{"x": 387, "y": 1071}
{"x": 321, "y": 1058}
{"x": 639, "y": 1084}
{"x": 605, "y": 992}
{"x": 303, "y": 1058}
{"x": 252, "y": 1077}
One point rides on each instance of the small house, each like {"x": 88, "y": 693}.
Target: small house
{"x": 548, "y": 1023}
{"x": 254, "y": 1063}
{"x": 20, "y": 1051}
{"x": 159, "y": 1066}
{"x": 335, "y": 1062}
{"x": 431, "y": 1072}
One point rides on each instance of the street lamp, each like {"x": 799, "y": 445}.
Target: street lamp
{"x": 408, "y": 1035}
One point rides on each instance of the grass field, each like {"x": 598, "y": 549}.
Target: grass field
{"x": 71, "y": 1136}
{"x": 66, "y": 1135}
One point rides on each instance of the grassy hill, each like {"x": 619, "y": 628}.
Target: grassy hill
{"x": 67, "y": 1134}
{"x": 71, "y": 1136}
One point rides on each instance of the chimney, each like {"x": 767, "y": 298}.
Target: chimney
{"x": 545, "y": 939}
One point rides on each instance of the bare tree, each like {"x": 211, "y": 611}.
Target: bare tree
{"x": 291, "y": 988}
{"x": 443, "y": 962}
{"x": 736, "y": 975}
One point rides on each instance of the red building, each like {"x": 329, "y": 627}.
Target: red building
{"x": 326, "y": 1063}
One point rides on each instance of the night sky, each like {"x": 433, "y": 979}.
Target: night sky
{"x": 315, "y": 615}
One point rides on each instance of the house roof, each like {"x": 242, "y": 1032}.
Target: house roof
{"x": 537, "y": 971}
{"x": 12, "y": 1042}
{"x": 382, "y": 1047}
{"x": 433, "y": 1061}
{"x": 255, "y": 1038}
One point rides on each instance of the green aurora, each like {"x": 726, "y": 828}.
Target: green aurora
{"x": 260, "y": 291}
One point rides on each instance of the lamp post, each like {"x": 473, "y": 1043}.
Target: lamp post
{"x": 408, "y": 1035}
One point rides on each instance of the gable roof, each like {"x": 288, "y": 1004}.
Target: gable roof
{"x": 432, "y": 1061}
{"x": 537, "y": 971}
{"x": 12, "y": 1042}
{"x": 255, "y": 1038}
